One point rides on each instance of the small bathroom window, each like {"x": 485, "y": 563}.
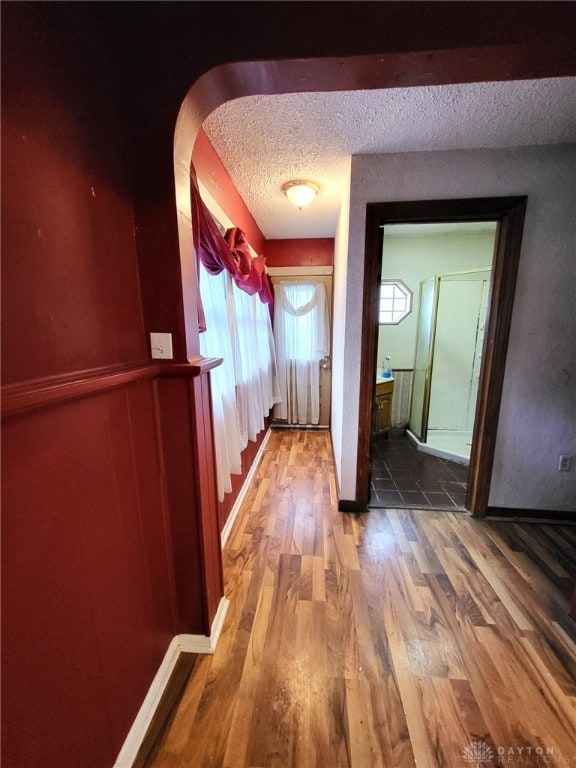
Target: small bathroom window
{"x": 395, "y": 302}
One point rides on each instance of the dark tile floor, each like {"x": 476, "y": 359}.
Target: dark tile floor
{"x": 402, "y": 476}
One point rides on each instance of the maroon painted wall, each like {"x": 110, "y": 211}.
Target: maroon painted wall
{"x": 88, "y": 601}
{"x": 213, "y": 174}
{"x": 86, "y": 609}
{"x": 311, "y": 252}
{"x": 85, "y": 481}
{"x": 70, "y": 295}
{"x": 189, "y": 469}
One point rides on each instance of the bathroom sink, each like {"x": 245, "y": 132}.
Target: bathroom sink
{"x": 383, "y": 379}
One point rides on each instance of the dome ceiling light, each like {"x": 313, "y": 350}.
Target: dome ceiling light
{"x": 300, "y": 192}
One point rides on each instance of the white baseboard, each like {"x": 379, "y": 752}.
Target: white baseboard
{"x": 240, "y": 498}
{"x": 202, "y": 643}
{"x": 183, "y": 643}
{"x": 178, "y": 645}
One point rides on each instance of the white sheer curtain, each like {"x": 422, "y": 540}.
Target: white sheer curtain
{"x": 255, "y": 363}
{"x": 245, "y": 386}
{"x": 301, "y": 331}
{"x": 215, "y": 341}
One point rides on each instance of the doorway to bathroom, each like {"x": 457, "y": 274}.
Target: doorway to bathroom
{"x": 434, "y": 351}
{"x": 503, "y": 219}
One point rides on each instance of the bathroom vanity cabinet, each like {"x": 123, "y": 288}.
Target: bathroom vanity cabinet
{"x": 382, "y": 410}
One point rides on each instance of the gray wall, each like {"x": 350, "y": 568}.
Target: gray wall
{"x": 537, "y": 420}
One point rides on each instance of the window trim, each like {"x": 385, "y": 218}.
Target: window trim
{"x": 398, "y": 283}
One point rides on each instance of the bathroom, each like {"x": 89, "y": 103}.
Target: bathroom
{"x": 435, "y": 294}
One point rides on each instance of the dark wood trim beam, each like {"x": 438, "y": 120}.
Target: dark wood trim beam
{"x": 531, "y": 515}
{"x": 501, "y": 303}
{"x": 368, "y": 353}
{"x": 195, "y": 367}
{"x": 347, "y": 505}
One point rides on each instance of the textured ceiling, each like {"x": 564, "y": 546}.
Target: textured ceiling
{"x": 266, "y": 140}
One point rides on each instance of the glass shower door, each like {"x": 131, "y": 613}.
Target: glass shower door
{"x": 423, "y": 358}
{"x": 458, "y": 341}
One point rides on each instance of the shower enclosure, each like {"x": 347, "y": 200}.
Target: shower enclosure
{"x": 452, "y": 316}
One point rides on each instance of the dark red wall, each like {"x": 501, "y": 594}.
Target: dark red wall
{"x": 189, "y": 469}
{"x": 313, "y": 252}
{"x": 213, "y": 174}
{"x": 88, "y": 600}
{"x": 90, "y": 258}
{"x": 71, "y": 294}
{"x": 87, "y": 605}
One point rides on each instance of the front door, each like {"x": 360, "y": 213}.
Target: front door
{"x": 302, "y": 334}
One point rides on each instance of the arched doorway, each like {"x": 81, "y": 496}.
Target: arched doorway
{"x": 260, "y": 78}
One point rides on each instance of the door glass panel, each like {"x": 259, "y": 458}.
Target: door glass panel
{"x": 422, "y": 358}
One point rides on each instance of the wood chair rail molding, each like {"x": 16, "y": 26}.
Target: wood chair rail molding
{"x": 22, "y": 397}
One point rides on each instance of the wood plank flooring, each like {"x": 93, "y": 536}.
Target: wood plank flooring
{"x": 397, "y": 638}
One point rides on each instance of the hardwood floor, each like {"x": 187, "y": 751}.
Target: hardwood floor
{"x": 394, "y": 639}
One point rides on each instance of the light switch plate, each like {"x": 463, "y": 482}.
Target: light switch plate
{"x": 161, "y": 346}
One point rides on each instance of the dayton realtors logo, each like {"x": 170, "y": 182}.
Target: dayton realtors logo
{"x": 481, "y": 754}
{"x": 478, "y": 753}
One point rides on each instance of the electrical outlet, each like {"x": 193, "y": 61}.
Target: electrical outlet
{"x": 564, "y": 463}
{"x": 161, "y": 346}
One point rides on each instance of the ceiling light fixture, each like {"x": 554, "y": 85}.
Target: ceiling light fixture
{"x": 300, "y": 192}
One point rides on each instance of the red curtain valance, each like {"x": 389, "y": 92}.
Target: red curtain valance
{"x": 230, "y": 252}
{"x": 251, "y": 276}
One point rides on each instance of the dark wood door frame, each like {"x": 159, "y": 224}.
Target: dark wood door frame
{"x": 508, "y": 212}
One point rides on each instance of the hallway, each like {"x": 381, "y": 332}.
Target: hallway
{"x": 392, "y": 639}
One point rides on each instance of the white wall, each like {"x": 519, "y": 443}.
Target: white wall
{"x": 413, "y": 258}
{"x": 537, "y": 420}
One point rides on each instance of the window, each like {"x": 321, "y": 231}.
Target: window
{"x": 395, "y": 302}
{"x": 244, "y": 388}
